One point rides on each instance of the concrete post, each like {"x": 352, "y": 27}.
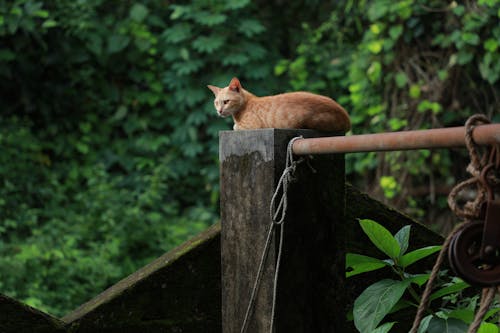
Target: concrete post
{"x": 311, "y": 293}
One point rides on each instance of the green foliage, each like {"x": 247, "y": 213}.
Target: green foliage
{"x": 388, "y": 295}
{"x": 401, "y": 65}
{"x": 109, "y": 146}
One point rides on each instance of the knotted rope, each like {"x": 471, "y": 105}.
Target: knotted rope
{"x": 277, "y": 215}
{"x": 470, "y": 211}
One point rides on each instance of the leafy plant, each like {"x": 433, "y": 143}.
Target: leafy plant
{"x": 394, "y": 66}
{"x": 382, "y": 297}
{"x": 387, "y": 296}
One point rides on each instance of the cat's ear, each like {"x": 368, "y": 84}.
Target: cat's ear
{"x": 235, "y": 85}
{"x": 214, "y": 89}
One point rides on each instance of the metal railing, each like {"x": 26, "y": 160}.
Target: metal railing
{"x": 404, "y": 140}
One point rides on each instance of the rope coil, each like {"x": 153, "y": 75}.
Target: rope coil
{"x": 471, "y": 210}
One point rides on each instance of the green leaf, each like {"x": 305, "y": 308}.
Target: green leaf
{"x": 417, "y": 255}
{"x": 465, "y": 315}
{"x": 187, "y": 67}
{"x": 396, "y": 124}
{"x": 381, "y": 238}
{"x": 401, "y": 79}
{"x": 396, "y": 31}
{"x": 459, "y": 10}
{"x": 451, "y": 325}
{"x": 49, "y": 24}
{"x": 390, "y": 187}
{"x": 375, "y": 302}
{"x": 209, "y": 19}
{"x": 464, "y": 57}
{"x": 117, "y": 43}
{"x": 360, "y": 264}
{"x": 41, "y": 13}
{"x": 208, "y": 44}
{"x": 419, "y": 279}
{"x": 490, "y": 45}
{"x": 250, "y": 27}
{"x": 177, "y": 33}
{"x": 235, "y": 59}
{"x": 138, "y": 12}
{"x": 377, "y": 10}
{"x": 488, "y": 328}
{"x": 426, "y": 105}
{"x": 491, "y": 312}
{"x": 236, "y": 4}
{"x": 415, "y": 91}
{"x": 374, "y": 71}
{"x": 454, "y": 288}
{"x": 384, "y": 328}
{"x": 424, "y": 324}
{"x": 403, "y": 238}
{"x": 470, "y": 38}
{"x": 375, "y": 46}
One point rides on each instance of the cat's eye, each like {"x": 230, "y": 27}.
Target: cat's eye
{"x": 226, "y": 101}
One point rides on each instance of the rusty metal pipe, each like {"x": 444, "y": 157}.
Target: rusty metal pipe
{"x": 405, "y": 140}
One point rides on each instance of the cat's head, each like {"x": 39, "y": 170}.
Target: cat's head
{"x": 230, "y": 99}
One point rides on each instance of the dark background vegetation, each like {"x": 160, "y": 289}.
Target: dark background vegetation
{"x": 108, "y": 138}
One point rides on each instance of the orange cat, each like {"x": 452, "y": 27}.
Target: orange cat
{"x": 290, "y": 110}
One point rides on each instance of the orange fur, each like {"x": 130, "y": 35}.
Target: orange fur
{"x": 289, "y": 110}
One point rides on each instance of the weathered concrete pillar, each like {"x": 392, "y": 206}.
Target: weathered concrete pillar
{"x": 310, "y": 293}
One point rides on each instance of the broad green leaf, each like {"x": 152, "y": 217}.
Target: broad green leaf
{"x": 454, "y": 288}
{"x": 402, "y": 304}
{"x": 396, "y": 31}
{"x": 451, "y": 325}
{"x": 419, "y": 279}
{"x": 470, "y": 38}
{"x": 49, "y": 24}
{"x": 424, "y": 324}
{"x": 378, "y": 9}
{"x": 375, "y": 46}
{"x": 138, "y": 12}
{"x": 250, "y": 27}
{"x": 414, "y": 256}
{"x": 361, "y": 264}
{"x": 414, "y": 91}
{"x": 116, "y": 43}
{"x": 403, "y": 238}
{"x": 464, "y": 57}
{"x": 210, "y": 19}
{"x": 465, "y": 315}
{"x": 491, "y": 312}
{"x": 488, "y": 328}
{"x": 374, "y": 71}
{"x": 235, "y": 59}
{"x": 208, "y": 44}
{"x": 401, "y": 79}
{"x": 375, "y": 302}
{"x": 177, "y": 33}
{"x": 384, "y": 328}
{"x": 381, "y": 238}
{"x": 491, "y": 45}
{"x": 237, "y": 4}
